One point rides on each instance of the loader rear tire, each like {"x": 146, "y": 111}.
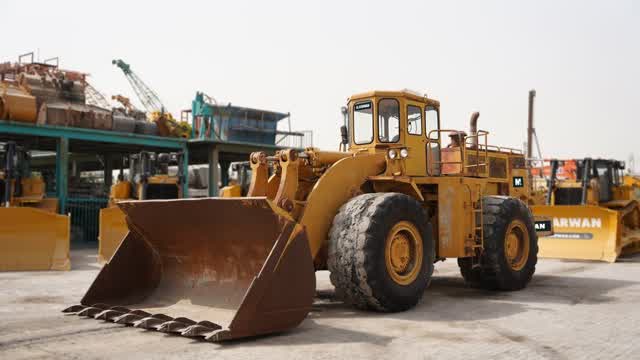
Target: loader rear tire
{"x": 360, "y": 243}
{"x": 501, "y": 267}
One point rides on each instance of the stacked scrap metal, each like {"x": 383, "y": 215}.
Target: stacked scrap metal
{"x": 44, "y": 94}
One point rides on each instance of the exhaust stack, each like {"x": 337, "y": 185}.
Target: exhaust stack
{"x": 473, "y": 129}
{"x": 530, "y": 129}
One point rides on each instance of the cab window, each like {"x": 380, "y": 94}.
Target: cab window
{"x": 388, "y": 120}
{"x": 414, "y": 120}
{"x": 363, "y": 122}
{"x": 431, "y": 121}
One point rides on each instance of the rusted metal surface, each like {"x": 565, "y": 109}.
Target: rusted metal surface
{"x": 214, "y": 268}
{"x": 100, "y": 118}
{"x": 17, "y": 104}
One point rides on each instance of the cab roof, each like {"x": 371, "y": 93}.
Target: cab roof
{"x": 409, "y": 94}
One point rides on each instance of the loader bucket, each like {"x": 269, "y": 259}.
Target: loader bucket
{"x": 584, "y": 232}
{"x": 33, "y": 239}
{"x": 214, "y": 268}
{"x": 113, "y": 228}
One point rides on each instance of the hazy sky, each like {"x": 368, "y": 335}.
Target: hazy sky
{"x": 582, "y": 57}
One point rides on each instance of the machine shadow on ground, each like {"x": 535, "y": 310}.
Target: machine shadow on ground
{"x": 447, "y": 296}
{"x": 446, "y": 300}
{"x": 310, "y": 332}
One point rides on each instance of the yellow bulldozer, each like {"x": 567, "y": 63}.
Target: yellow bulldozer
{"x": 377, "y": 216}
{"x": 596, "y": 215}
{"x": 33, "y": 236}
{"x": 149, "y": 178}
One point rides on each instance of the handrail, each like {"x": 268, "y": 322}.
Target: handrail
{"x": 470, "y": 145}
{"x": 466, "y": 144}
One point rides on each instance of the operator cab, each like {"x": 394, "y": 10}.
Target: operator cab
{"x": 595, "y": 182}
{"x": 398, "y": 122}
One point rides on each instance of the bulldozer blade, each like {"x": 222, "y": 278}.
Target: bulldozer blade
{"x": 33, "y": 239}
{"x": 586, "y": 232}
{"x": 214, "y": 269}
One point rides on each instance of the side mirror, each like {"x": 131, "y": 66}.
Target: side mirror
{"x": 344, "y": 133}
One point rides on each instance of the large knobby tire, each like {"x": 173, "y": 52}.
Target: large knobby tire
{"x": 381, "y": 252}
{"x": 510, "y": 253}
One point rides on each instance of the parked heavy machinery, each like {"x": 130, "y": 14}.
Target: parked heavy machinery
{"x": 157, "y": 112}
{"x": 377, "y": 216}
{"x": 149, "y": 179}
{"x": 631, "y": 186}
{"x": 239, "y": 180}
{"x": 32, "y": 235}
{"x": 596, "y": 215}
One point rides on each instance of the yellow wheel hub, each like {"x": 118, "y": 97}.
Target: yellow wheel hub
{"x": 403, "y": 253}
{"x": 517, "y": 245}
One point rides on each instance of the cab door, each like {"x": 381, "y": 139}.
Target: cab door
{"x": 416, "y": 162}
{"x": 432, "y": 125}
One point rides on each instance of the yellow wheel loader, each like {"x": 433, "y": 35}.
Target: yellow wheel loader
{"x": 32, "y": 234}
{"x": 150, "y": 179}
{"x": 595, "y": 216}
{"x": 377, "y": 216}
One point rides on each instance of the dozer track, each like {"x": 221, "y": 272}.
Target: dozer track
{"x": 200, "y": 268}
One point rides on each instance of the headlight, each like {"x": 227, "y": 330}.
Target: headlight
{"x": 392, "y": 154}
{"x": 404, "y": 153}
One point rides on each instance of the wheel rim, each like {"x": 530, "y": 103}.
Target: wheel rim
{"x": 403, "y": 253}
{"x": 516, "y": 245}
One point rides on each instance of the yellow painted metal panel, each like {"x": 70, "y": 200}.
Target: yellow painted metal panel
{"x": 580, "y": 232}
{"x": 231, "y": 191}
{"x": 339, "y": 183}
{"x": 113, "y": 229}
{"x": 456, "y": 197}
{"x": 33, "y": 239}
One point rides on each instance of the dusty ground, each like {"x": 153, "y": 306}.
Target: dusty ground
{"x": 571, "y": 310}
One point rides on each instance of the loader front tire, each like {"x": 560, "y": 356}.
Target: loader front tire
{"x": 509, "y": 257}
{"x": 381, "y": 252}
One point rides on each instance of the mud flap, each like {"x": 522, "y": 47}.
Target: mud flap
{"x": 582, "y": 232}
{"x": 112, "y": 230}
{"x": 215, "y": 269}
{"x": 33, "y": 239}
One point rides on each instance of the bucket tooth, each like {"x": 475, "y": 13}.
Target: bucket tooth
{"x": 140, "y": 313}
{"x": 127, "y": 319}
{"x": 185, "y": 320}
{"x": 91, "y": 311}
{"x": 218, "y": 335}
{"x": 108, "y": 315}
{"x": 74, "y": 309}
{"x": 200, "y": 329}
{"x": 130, "y": 318}
{"x": 176, "y": 325}
{"x": 121, "y": 309}
{"x": 150, "y": 322}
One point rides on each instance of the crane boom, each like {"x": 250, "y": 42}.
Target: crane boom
{"x": 150, "y": 100}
